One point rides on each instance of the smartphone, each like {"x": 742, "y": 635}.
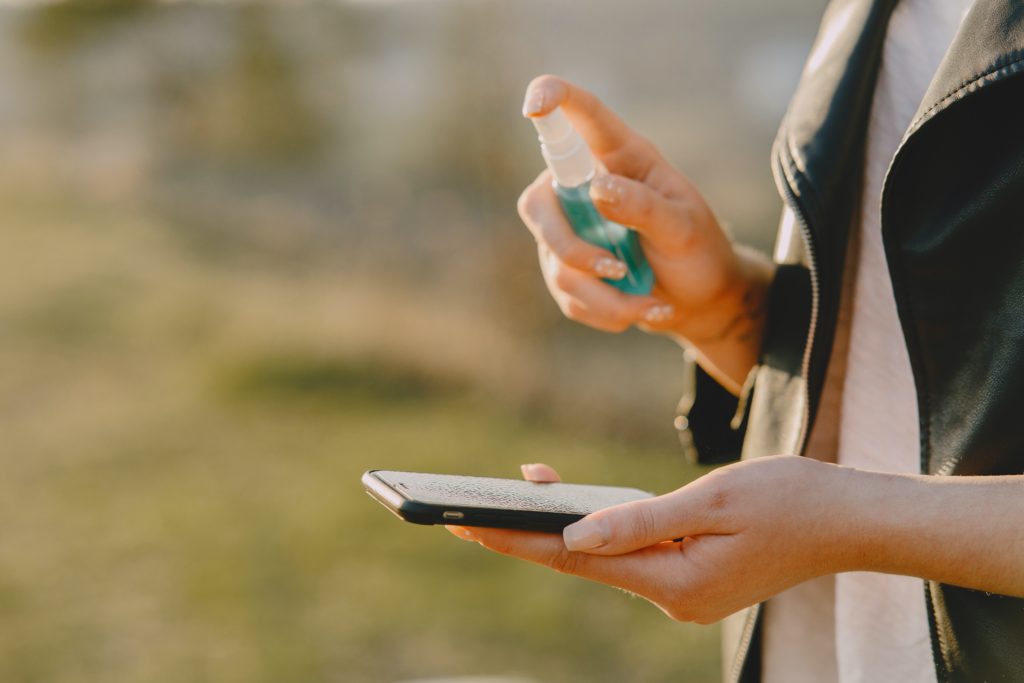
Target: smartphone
{"x": 423, "y": 498}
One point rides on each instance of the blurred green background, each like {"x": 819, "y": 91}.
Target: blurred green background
{"x": 252, "y": 250}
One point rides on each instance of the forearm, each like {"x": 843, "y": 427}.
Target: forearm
{"x": 727, "y": 341}
{"x": 964, "y": 531}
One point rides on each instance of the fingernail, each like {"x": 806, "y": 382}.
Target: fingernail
{"x": 534, "y": 102}
{"x": 462, "y": 532}
{"x": 610, "y": 268}
{"x": 585, "y": 534}
{"x": 659, "y": 313}
{"x": 606, "y": 189}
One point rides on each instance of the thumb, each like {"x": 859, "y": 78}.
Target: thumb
{"x": 639, "y": 524}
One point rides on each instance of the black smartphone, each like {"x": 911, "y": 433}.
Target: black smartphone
{"x": 486, "y": 501}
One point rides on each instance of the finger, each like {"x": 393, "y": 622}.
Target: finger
{"x": 587, "y": 300}
{"x": 690, "y": 511}
{"x": 630, "y": 572}
{"x": 539, "y": 472}
{"x": 539, "y": 208}
{"x": 618, "y": 147}
{"x": 600, "y": 127}
{"x": 460, "y": 531}
{"x": 663, "y": 573}
{"x": 668, "y": 222}
{"x": 660, "y": 573}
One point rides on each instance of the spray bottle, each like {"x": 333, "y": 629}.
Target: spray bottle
{"x": 573, "y": 167}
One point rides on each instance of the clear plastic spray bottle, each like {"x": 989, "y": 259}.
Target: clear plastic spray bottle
{"x": 573, "y": 167}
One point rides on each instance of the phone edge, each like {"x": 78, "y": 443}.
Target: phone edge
{"x": 428, "y": 514}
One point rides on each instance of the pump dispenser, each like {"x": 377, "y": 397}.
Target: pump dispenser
{"x": 573, "y": 167}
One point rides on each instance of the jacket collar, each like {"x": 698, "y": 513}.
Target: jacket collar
{"x": 818, "y": 152}
{"x": 988, "y": 47}
{"x": 820, "y": 144}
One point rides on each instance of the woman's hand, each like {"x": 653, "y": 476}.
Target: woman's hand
{"x": 749, "y": 530}
{"x": 755, "y": 528}
{"x": 707, "y": 293}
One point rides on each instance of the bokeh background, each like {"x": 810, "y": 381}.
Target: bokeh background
{"x": 250, "y": 250}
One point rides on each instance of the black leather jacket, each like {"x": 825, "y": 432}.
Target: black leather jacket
{"x": 953, "y": 230}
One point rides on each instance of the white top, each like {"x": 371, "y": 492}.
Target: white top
{"x": 863, "y": 627}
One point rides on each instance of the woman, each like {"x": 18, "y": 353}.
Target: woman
{"x": 883, "y": 342}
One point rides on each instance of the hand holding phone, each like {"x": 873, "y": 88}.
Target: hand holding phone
{"x": 423, "y": 498}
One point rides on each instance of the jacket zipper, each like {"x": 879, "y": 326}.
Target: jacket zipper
{"x": 800, "y": 216}
{"x": 812, "y": 328}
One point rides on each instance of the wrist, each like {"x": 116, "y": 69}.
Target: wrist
{"x": 727, "y": 331}
{"x": 844, "y": 507}
{"x": 737, "y": 310}
{"x": 869, "y": 512}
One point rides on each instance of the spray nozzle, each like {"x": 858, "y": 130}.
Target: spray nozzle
{"x": 553, "y": 127}
{"x": 566, "y": 154}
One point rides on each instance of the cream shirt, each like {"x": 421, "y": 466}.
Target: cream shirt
{"x": 863, "y": 627}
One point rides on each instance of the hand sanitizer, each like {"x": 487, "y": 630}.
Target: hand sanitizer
{"x": 573, "y": 167}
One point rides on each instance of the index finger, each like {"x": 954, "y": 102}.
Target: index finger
{"x": 617, "y": 145}
{"x": 548, "y": 550}
{"x": 539, "y": 472}
{"x": 642, "y": 572}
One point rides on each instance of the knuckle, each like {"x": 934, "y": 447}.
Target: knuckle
{"x": 646, "y": 154}
{"x": 617, "y": 318}
{"x": 546, "y": 260}
{"x": 562, "y": 277}
{"x": 680, "y": 611}
{"x": 668, "y": 596}
{"x": 625, "y": 316}
{"x": 688, "y": 610}
{"x": 617, "y": 326}
{"x": 718, "y": 493}
{"x": 606, "y": 325}
{"x": 644, "y": 207}
{"x": 576, "y": 253}
{"x": 720, "y": 498}
{"x": 570, "y": 309}
{"x": 642, "y": 524}
{"x": 614, "y": 322}
{"x": 644, "y": 143}
{"x": 556, "y": 241}
{"x": 526, "y": 205}
{"x": 684, "y": 220}
{"x": 498, "y": 545}
{"x": 706, "y": 619}
{"x": 565, "y": 562}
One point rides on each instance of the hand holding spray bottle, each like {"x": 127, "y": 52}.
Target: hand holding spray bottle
{"x": 573, "y": 167}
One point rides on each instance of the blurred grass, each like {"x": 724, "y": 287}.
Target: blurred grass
{"x": 250, "y": 250}
{"x": 180, "y": 497}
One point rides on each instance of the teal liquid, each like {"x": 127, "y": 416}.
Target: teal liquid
{"x": 594, "y": 228}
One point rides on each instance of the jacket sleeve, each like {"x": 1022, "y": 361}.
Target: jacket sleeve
{"x": 711, "y": 421}
{"x": 704, "y": 418}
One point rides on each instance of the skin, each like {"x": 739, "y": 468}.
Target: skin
{"x": 755, "y": 528}
{"x": 709, "y": 294}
